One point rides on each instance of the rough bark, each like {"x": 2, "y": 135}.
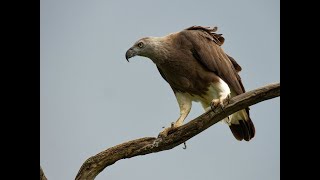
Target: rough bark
{"x": 42, "y": 176}
{"x": 95, "y": 164}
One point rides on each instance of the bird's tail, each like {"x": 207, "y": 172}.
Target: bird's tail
{"x": 241, "y": 125}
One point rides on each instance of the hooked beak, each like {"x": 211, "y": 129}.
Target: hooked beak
{"x": 130, "y": 53}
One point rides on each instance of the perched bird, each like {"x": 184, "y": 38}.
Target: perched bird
{"x": 197, "y": 69}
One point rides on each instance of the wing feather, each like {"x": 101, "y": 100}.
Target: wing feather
{"x": 235, "y": 64}
{"x": 209, "y": 53}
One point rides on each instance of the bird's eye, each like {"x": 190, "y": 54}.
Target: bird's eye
{"x": 140, "y": 44}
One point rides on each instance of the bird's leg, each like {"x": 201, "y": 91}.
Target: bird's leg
{"x": 185, "y": 106}
{"x": 224, "y": 95}
{"x": 183, "y": 114}
{"x": 228, "y": 98}
{"x": 219, "y": 102}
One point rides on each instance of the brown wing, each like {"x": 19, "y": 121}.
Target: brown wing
{"x": 204, "y": 45}
{"x": 235, "y": 64}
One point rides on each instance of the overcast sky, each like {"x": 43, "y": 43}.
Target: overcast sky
{"x": 93, "y": 99}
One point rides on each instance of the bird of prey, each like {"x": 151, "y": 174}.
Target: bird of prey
{"x": 197, "y": 69}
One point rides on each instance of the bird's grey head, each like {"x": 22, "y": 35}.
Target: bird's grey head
{"x": 143, "y": 47}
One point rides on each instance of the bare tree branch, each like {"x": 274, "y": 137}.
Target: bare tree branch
{"x": 42, "y": 176}
{"x": 95, "y": 164}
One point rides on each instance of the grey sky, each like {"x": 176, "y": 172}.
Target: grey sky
{"x": 92, "y": 99}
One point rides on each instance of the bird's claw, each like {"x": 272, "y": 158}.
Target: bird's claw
{"x": 163, "y": 133}
{"x": 215, "y": 103}
{"x": 218, "y": 102}
{"x": 166, "y": 131}
{"x": 228, "y": 98}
